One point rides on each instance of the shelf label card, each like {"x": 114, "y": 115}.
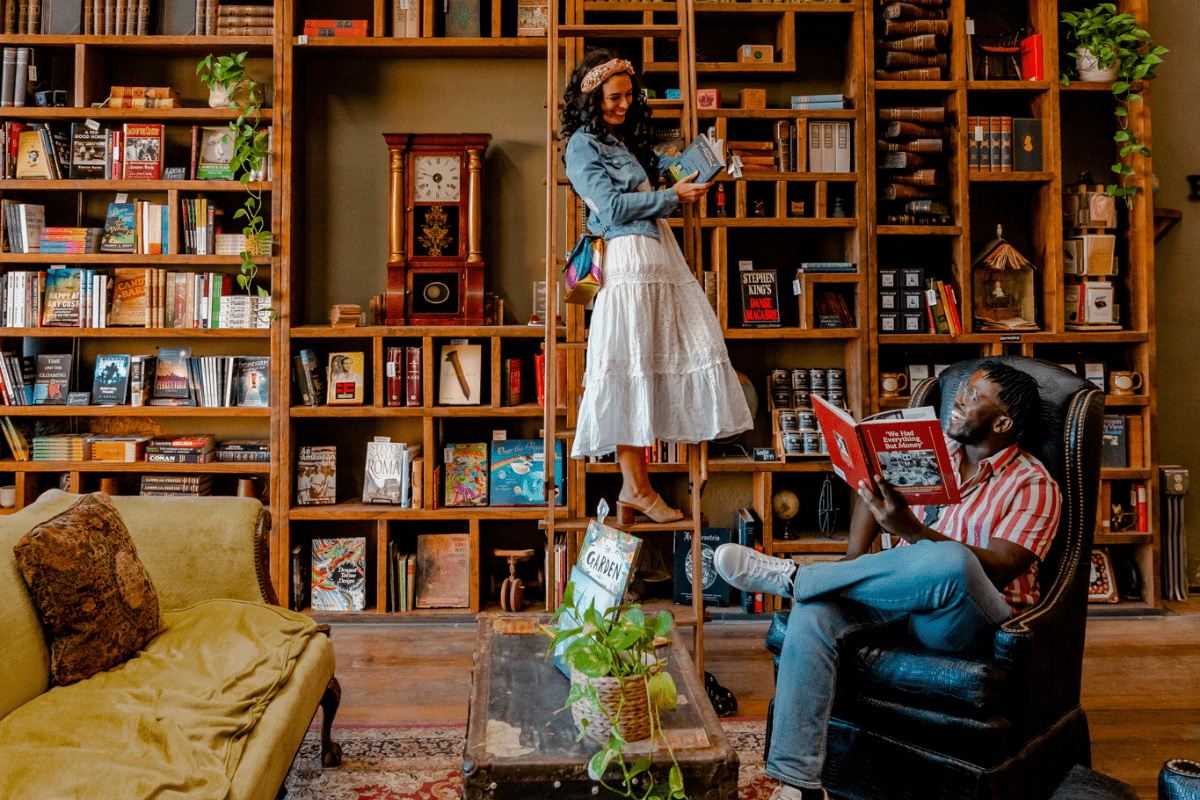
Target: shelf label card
{"x": 91, "y": 125}
{"x": 301, "y": 39}
{"x": 122, "y": 197}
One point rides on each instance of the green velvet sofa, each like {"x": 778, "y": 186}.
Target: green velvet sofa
{"x": 197, "y": 713}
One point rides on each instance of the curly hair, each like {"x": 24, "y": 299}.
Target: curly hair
{"x": 582, "y": 111}
{"x": 1018, "y": 392}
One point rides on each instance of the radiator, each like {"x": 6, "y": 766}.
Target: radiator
{"x": 1174, "y": 481}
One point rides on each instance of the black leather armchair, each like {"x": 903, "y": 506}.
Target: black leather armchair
{"x": 1006, "y": 725}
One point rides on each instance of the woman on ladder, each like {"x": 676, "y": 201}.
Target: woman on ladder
{"x": 657, "y": 367}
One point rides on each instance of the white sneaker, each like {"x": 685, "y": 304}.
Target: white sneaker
{"x": 785, "y": 792}
{"x": 751, "y": 571}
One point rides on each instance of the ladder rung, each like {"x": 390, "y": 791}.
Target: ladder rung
{"x": 620, "y": 31}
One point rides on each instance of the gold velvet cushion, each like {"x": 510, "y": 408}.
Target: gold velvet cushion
{"x": 94, "y": 597}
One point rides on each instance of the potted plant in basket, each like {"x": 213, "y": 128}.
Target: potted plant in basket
{"x": 1113, "y": 47}
{"x": 618, "y": 687}
{"x": 230, "y": 86}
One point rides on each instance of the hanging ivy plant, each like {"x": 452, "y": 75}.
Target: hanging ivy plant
{"x": 250, "y": 152}
{"x": 1112, "y": 38}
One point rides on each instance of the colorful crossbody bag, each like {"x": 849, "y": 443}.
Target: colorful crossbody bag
{"x": 584, "y": 268}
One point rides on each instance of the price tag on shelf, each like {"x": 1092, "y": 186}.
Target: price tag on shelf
{"x": 121, "y": 197}
{"x": 301, "y": 39}
{"x": 979, "y": 133}
{"x": 33, "y": 73}
{"x": 970, "y": 27}
{"x": 796, "y": 287}
{"x": 91, "y": 125}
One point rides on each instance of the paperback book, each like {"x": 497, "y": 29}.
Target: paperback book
{"x": 386, "y": 478}
{"x": 760, "y": 298}
{"x": 345, "y": 386}
{"x": 518, "y": 472}
{"x": 53, "y": 378}
{"x": 715, "y": 589}
{"x": 171, "y": 373}
{"x": 705, "y": 155}
{"x": 904, "y": 446}
{"x": 443, "y": 570}
{"x": 310, "y": 378}
{"x": 466, "y": 474}
{"x": 253, "y": 386}
{"x": 316, "y": 476}
{"x": 339, "y": 574}
{"x": 111, "y": 380}
{"x": 120, "y": 229}
{"x": 598, "y": 579}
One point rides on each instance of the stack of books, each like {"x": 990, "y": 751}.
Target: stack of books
{"x": 70, "y": 241}
{"x": 915, "y": 41}
{"x": 127, "y": 449}
{"x": 62, "y": 447}
{"x": 168, "y": 485}
{"x": 913, "y": 189}
{"x": 345, "y": 315}
{"x": 131, "y": 18}
{"x": 245, "y": 20}
{"x": 235, "y": 450}
{"x": 198, "y": 449}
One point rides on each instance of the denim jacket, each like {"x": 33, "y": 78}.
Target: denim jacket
{"x": 606, "y": 176}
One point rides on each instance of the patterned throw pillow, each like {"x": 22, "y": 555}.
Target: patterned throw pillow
{"x": 93, "y": 596}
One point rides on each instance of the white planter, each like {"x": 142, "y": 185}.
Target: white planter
{"x": 1088, "y": 70}
{"x": 219, "y": 96}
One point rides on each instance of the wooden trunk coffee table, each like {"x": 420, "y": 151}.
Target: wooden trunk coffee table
{"x": 521, "y": 739}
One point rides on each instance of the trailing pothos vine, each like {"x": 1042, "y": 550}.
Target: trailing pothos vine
{"x": 250, "y": 152}
{"x": 618, "y": 643}
{"x": 1116, "y": 39}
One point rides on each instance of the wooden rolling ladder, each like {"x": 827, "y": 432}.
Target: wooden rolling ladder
{"x": 563, "y": 228}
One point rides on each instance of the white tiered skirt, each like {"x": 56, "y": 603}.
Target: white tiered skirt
{"x": 657, "y": 367}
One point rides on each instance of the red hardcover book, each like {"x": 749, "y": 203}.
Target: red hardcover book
{"x": 539, "y": 375}
{"x": 1032, "y": 68}
{"x": 952, "y": 310}
{"x": 324, "y": 28}
{"x": 512, "y": 382}
{"x": 395, "y": 376}
{"x": 905, "y": 446}
{"x": 1143, "y": 513}
{"x": 412, "y": 377}
{"x": 143, "y": 150}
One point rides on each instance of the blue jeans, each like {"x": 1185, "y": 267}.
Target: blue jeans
{"x": 940, "y": 587}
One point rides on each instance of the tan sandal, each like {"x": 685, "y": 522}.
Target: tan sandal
{"x": 658, "y": 511}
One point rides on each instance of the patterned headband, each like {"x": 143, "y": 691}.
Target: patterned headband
{"x": 600, "y": 74}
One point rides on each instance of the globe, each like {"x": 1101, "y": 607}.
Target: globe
{"x": 786, "y": 506}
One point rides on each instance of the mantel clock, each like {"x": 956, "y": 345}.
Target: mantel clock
{"x": 435, "y": 242}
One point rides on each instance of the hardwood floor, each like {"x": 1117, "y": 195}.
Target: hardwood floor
{"x": 1141, "y": 682}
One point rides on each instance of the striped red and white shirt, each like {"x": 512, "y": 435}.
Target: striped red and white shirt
{"x": 1011, "y": 497}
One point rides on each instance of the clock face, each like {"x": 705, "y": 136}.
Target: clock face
{"x": 436, "y": 179}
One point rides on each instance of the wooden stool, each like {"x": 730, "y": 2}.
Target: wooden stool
{"x": 512, "y": 591}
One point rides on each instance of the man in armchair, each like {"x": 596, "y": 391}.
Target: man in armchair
{"x": 969, "y": 567}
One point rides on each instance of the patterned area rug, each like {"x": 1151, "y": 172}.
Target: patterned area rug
{"x": 422, "y": 762}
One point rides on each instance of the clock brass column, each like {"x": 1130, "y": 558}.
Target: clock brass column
{"x": 435, "y": 237}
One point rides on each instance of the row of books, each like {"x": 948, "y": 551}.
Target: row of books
{"x": 506, "y": 473}
{"x": 914, "y": 43}
{"x": 63, "y": 297}
{"x": 1119, "y": 512}
{"x": 437, "y": 575}
{"x": 990, "y": 144}
{"x": 136, "y": 18}
{"x": 14, "y": 75}
{"x": 658, "y": 453}
{"x": 176, "y": 378}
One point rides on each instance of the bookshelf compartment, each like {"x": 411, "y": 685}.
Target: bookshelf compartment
{"x": 461, "y": 371}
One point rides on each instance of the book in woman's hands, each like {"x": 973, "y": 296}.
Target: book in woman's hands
{"x": 705, "y": 155}
{"x": 905, "y": 447}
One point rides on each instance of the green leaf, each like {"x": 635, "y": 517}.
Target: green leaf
{"x": 1116, "y": 168}
{"x": 640, "y": 766}
{"x": 576, "y": 693}
{"x": 1157, "y": 51}
{"x": 1133, "y": 98}
{"x": 664, "y": 624}
{"x": 1121, "y": 111}
{"x": 1063, "y": 79}
{"x": 676, "y": 779}
{"x": 599, "y": 763}
{"x": 1120, "y": 87}
{"x": 1121, "y": 136}
{"x": 1125, "y": 150}
{"x": 662, "y": 691}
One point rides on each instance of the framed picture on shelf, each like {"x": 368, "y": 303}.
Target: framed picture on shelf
{"x": 1102, "y": 587}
